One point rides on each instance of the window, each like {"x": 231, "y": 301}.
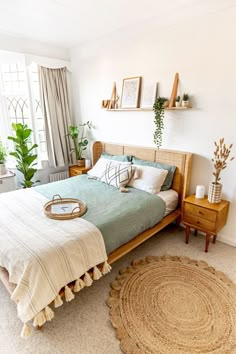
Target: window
{"x": 20, "y": 99}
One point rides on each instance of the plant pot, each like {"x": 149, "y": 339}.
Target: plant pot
{"x": 177, "y": 104}
{"x": 3, "y": 170}
{"x": 81, "y": 163}
{"x": 214, "y": 193}
{"x": 166, "y": 104}
{"x": 185, "y": 103}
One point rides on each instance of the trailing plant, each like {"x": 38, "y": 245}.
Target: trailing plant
{"x": 185, "y": 97}
{"x": 24, "y": 153}
{"x": 3, "y": 153}
{"x": 158, "y": 120}
{"x": 221, "y": 155}
{"x": 79, "y": 140}
{"x": 177, "y": 99}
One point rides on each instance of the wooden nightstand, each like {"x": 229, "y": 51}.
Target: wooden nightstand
{"x": 76, "y": 170}
{"x": 201, "y": 215}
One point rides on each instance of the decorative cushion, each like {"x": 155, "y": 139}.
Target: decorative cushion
{"x": 122, "y": 158}
{"x": 99, "y": 168}
{"x": 150, "y": 179}
{"x": 171, "y": 170}
{"x": 117, "y": 175}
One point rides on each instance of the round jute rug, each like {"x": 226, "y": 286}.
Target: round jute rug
{"x": 173, "y": 305}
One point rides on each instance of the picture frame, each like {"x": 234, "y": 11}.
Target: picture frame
{"x": 130, "y": 97}
{"x": 149, "y": 95}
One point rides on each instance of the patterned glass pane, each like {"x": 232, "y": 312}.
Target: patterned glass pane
{"x": 18, "y": 109}
{"x": 13, "y": 77}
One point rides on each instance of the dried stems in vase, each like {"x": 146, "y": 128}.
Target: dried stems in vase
{"x": 221, "y": 156}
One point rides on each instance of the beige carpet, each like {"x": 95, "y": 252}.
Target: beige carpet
{"x": 83, "y": 326}
{"x": 171, "y": 304}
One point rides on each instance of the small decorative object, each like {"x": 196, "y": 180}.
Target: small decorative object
{"x": 3, "y": 155}
{"x": 177, "y": 101}
{"x": 80, "y": 143}
{"x": 221, "y": 155}
{"x": 113, "y": 102}
{"x": 149, "y": 94}
{"x": 23, "y": 153}
{"x": 105, "y": 103}
{"x": 200, "y": 192}
{"x": 64, "y": 208}
{"x": 87, "y": 163}
{"x": 131, "y": 92}
{"x": 185, "y": 100}
{"x": 158, "y": 108}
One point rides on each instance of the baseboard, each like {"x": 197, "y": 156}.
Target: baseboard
{"x": 227, "y": 240}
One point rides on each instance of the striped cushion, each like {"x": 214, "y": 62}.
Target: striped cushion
{"x": 117, "y": 175}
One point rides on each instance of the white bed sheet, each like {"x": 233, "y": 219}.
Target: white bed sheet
{"x": 170, "y": 197}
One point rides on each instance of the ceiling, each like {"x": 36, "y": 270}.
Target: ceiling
{"x": 67, "y": 23}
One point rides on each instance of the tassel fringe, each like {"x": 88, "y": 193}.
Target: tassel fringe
{"x": 39, "y": 319}
{"x": 26, "y": 331}
{"x": 68, "y": 294}
{"x": 58, "y": 301}
{"x": 79, "y": 285}
{"x": 106, "y": 268}
{"x": 87, "y": 279}
{"x": 49, "y": 314}
{"x": 96, "y": 273}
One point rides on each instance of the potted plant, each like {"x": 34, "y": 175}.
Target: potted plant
{"x": 3, "y": 155}
{"x": 24, "y": 153}
{"x": 79, "y": 140}
{"x": 158, "y": 108}
{"x": 185, "y": 100}
{"x": 177, "y": 101}
{"x": 221, "y": 155}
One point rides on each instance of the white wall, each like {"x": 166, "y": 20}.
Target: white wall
{"x": 203, "y": 51}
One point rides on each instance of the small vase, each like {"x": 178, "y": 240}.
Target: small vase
{"x": 214, "y": 193}
{"x": 81, "y": 163}
{"x": 185, "y": 103}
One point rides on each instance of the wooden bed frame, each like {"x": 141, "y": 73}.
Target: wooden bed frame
{"x": 182, "y": 161}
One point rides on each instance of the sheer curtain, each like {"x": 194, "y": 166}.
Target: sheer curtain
{"x": 57, "y": 114}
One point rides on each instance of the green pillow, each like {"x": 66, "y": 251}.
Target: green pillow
{"x": 122, "y": 158}
{"x": 169, "y": 178}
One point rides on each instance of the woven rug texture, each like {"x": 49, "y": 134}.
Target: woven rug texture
{"x": 173, "y": 305}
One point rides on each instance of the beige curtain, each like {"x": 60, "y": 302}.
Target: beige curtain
{"x": 57, "y": 114}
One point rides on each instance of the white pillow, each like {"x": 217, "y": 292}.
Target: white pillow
{"x": 150, "y": 178}
{"x": 100, "y": 166}
{"x": 117, "y": 175}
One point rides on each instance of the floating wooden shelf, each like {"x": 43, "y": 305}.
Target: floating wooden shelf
{"x": 148, "y": 109}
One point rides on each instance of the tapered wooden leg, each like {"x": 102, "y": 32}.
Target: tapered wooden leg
{"x": 187, "y": 234}
{"x": 208, "y": 237}
{"x": 195, "y": 232}
{"x": 214, "y": 238}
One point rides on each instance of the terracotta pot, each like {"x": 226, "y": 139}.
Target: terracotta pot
{"x": 81, "y": 163}
{"x": 214, "y": 193}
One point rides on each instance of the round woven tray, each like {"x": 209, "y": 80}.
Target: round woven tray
{"x": 57, "y": 200}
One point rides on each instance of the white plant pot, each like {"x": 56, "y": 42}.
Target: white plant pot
{"x": 214, "y": 193}
{"x": 3, "y": 169}
{"x": 177, "y": 104}
{"x": 185, "y": 103}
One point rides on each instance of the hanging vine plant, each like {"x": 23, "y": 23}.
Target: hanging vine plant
{"x": 158, "y": 109}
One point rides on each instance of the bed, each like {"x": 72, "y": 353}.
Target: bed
{"x": 117, "y": 246}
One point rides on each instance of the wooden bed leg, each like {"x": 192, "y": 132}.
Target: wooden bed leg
{"x": 178, "y": 221}
{"x": 187, "y": 234}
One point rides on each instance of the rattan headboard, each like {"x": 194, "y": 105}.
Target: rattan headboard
{"x": 182, "y": 160}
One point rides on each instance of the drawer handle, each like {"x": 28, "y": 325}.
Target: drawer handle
{"x": 200, "y": 212}
{"x": 198, "y": 222}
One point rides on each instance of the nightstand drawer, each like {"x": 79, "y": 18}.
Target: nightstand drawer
{"x": 75, "y": 173}
{"x": 201, "y": 212}
{"x": 200, "y": 222}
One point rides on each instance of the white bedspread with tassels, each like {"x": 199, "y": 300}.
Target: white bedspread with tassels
{"x": 43, "y": 255}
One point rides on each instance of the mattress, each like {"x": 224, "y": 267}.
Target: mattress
{"x": 171, "y": 199}
{"x": 119, "y": 216}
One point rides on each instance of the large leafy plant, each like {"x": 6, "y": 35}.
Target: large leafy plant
{"x": 3, "y": 153}
{"x": 79, "y": 140}
{"x": 24, "y": 153}
{"x": 158, "y": 108}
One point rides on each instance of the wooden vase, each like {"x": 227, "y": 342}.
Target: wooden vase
{"x": 214, "y": 193}
{"x": 81, "y": 163}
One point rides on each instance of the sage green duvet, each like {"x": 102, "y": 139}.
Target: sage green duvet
{"x": 119, "y": 216}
